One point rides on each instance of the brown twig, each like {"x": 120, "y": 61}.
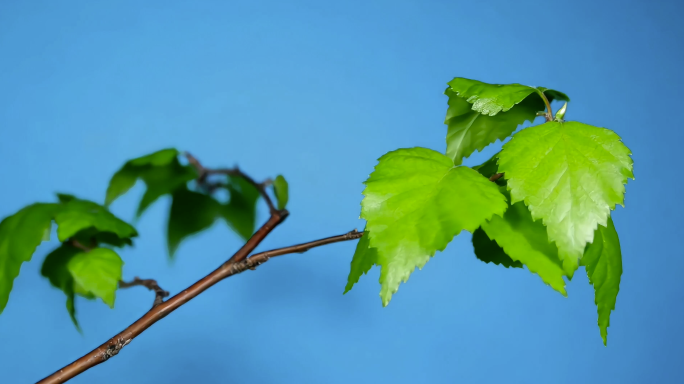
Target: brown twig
{"x": 237, "y": 264}
{"x": 205, "y": 172}
{"x": 159, "y": 293}
{"x": 496, "y": 176}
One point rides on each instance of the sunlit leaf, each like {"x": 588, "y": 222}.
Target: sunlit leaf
{"x": 415, "y": 202}
{"x": 570, "y": 175}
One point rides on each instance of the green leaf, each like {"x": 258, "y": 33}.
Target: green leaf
{"x": 125, "y": 178}
{"x": 20, "y": 235}
{"x": 161, "y": 171}
{"x": 603, "y": 262}
{"x": 526, "y": 241}
{"x": 280, "y": 188}
{"x": 55, "y": 269}
{"x": 415, "y": 202}
{"x": 489, "y": 251}
{"x": 240, "y": 212}
{"x": 364, "y": 258}
{"x": 570, "y": 175}
{"x": 191, "y": 212}
{"x": 481, "y": 113}
{"x": 77, "y": 215}
{"x": 97, "y": 272}
{"x": 490, "y": 99}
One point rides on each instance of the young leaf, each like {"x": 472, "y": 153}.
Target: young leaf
{"x": 526, "y": 240}
{"x": 570, "y": 175}
{"x": 77, "y": 215}
{"x": 603, "y": 262}
{"x": 240, "y": 212}
{"x": 191, "y": 212}
{"x": 415, "y": 202}
{"x": 55, "y": 269}
{"x": 489, "y": 251}
{"x": 280, "y": 188}
{"x": 20, "y": 235}
{"x": 125, "y": 178}
{"x": 490, "y": 99}
{"x": 481, "y": 113}
{"x": 97, "y": 272}
{"x": 364, "y": 258}
{"x": 161, "y": 171}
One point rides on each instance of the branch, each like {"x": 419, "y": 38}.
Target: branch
{"x": 159, "y": 293}
{"x": 205, "y": 172}
{"x": 237, "y": 264}
{"x": 496, "y": 176}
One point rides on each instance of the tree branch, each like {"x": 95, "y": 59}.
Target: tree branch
{"x": 159, "y": 293}
{"x": 205, "y": 172}
{"x": 238, "y": 263}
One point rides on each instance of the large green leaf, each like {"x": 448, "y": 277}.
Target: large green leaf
{"x": 55, "y": 269}
{"x": 489, "y": 251}
{"x": 364, "y": 258}
{"x": 526, "y": 241}
{"x": 240, "y": 211}
{"x": 98, "y": 272}
{"x": 161, "y": 171}
{"x": 603, "y": 262}
{"x": 415, "y": 202}
{"x": 20, "y": 235}
{"x": 191, "y": 212}
{"x": 570, "y": 175}
{"x": 481, "y": 113}
{"x": 281, "y": 190}
{"x": 78, "y": 215}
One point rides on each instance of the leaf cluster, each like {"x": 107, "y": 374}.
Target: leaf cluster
{"x": 543, "y": 202}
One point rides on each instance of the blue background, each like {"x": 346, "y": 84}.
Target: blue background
{"x": 318, "y": 90}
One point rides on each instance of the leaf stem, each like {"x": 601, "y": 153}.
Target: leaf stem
{"x": 204, "y": 172}
{"x": 549, "y": 112}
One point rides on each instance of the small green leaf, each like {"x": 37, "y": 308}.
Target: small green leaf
{"x": 603, "y": 262}
{"x": 280, "y": 189}
{"x": 125, "y": 178}
{"x": 364, "y": 258}
{"x": 570, "y": 175}
{"x": 97, "y": 272}
{"x": 161, "y": 171}
{"x": 489, "y": 251}
{"x": 191, "y": 212}
{"x": 240, "y": 212}
{"x": 415, "y": 202}
{"x": 490, "y": 99}
{"x": 20, "y": 235}
{"x": 77, "y": 215}
{"x": 55, "y": 269}
{"x": 481, "y": 113}
{"x": 526, "y": 241}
